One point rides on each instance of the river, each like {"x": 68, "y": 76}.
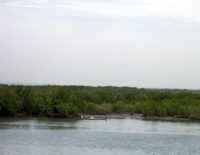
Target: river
{"x": 118, "y": 135}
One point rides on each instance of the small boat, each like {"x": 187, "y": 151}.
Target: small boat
{"x": 92, "y": 118}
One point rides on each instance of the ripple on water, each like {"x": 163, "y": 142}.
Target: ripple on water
{"x": 123, "y": 136}
{"x": 84, "y": 142}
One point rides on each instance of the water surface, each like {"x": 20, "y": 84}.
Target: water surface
{"x": 127, "y": 135}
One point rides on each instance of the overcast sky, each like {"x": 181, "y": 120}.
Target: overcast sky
{"x": 137, "y": 43}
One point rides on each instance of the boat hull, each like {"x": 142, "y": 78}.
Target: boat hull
{"x": 93, "y": 119}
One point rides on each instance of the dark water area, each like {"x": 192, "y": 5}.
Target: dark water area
{"x": 115, "y": 136}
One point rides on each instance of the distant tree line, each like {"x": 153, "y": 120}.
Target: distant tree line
{"x": 50, "y": 99}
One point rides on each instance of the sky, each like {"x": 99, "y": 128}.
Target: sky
{"x": 135, "y": 43}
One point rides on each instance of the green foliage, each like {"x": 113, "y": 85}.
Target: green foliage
{"x": 130, "y": 108}
{"x": 48, "y": 103}
{"x": 148, "y": 109}
{"x": 142, "y": 97}
{"x": 119, "y": 107}
{"x": 62, "y": 94}
{"x": 103, "y": 108}
{"x": 194, "y": 116}
{"x": 74, "y": 99}
{"x": 96, "y": 99}
{"x": 38, "y": 105}
{"x": 160, "y": 109}
{"x": 62, "y": 108}
{"x": 73, "y": 110}
{"x": 171, "y": 107}
{"x": 66, "y": 108}
{"x": 90, "y": 107}
{"x": 28, "y": 98}
{"x": 19, "y": 91}
{"x": 9, "y": 102}
{"x": 182, "y": 110}
{"x": 190, "y": 110}
{"x": 137, "y": 108}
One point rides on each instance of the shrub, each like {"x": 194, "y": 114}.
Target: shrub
{"x": 171, "y": 108}
{"x": 182, "y": 110}
{"x": 119, "y": 107}
{"x": 147, "y": 109}
{"x": 194, "y": 116}
{"x": 129, "y": 108}
{"x": 137, "y": 107}
{"x": 90, "y": 107}
{"x": 195, "y": 113}
{"x": 38, "y": 105}
{"x": 190, "y": 110}
{"x": 104, "y": 108}
{"x": 66, "y": 108}
{"x": 160, "y": 109}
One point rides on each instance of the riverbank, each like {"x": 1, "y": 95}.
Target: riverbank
{"x": 109, "y": 116}
{"x": 137, "y": 116}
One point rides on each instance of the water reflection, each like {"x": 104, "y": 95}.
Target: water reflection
{"x": 127, "y": 124}
{"x": 154, "y": 126}
{"x": 34, "y": 123}
{"x": 116, "y": 136}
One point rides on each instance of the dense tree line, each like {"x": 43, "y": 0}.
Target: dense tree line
{"x": 75, "y": 99}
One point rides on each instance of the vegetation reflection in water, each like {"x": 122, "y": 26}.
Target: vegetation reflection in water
{"x": 38, "y": 123}
{"x": 115, "y": 136}
{"x": 27, "y": 127}
{"x": 128, "y": 124}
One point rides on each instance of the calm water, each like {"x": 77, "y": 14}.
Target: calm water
{"x": 22, "y": 136}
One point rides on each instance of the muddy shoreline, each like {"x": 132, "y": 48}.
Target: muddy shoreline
{"x": 109, "y": 115}
{"x": 140, "y": 116}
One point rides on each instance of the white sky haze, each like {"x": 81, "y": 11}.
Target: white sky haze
{"x": 146, "y": 43}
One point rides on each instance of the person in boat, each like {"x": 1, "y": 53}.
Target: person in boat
{"x": 81, "y": 115}
{"x": 106, "y": 117}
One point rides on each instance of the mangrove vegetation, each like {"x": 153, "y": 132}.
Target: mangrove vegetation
{"x": 52, "y": 99}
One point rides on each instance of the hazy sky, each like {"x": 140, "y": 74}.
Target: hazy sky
{"x": 137, "y": 43}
